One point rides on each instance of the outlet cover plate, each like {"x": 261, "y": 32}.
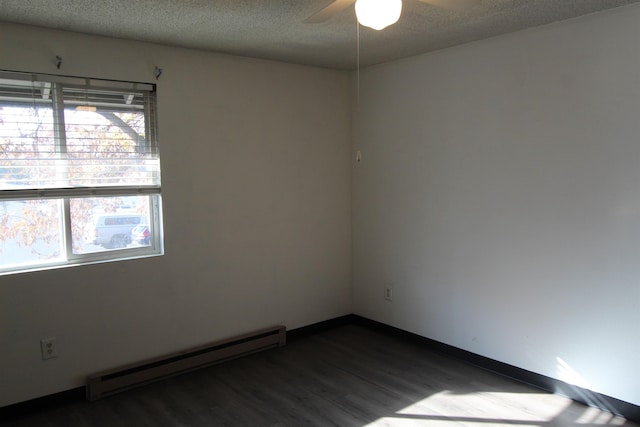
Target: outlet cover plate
{"x": 388, "y": 292}
{"x": 48, "y": 348}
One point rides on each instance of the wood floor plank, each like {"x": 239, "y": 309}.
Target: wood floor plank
{"x": 349, "y": 376}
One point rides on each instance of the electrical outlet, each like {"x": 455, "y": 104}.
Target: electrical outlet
{"x": 48, "y": 348}
{"x": 388, "y": 292}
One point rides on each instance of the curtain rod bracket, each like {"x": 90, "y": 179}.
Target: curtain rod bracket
{"x": 58, "y": 61}
{"x": 158, "y": 72}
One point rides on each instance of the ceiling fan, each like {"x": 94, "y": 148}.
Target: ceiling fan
{"x": 378, "y": 14}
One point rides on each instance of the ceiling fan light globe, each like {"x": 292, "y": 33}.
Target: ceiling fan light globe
{"x": 378, "y": 14}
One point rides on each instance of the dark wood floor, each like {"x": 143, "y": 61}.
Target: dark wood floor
{"x": 347, "y": 376}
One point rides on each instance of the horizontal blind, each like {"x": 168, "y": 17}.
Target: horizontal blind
{"x": 76, "y": 137}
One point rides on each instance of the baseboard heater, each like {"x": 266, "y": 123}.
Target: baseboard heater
{"x": 114, "y": 381}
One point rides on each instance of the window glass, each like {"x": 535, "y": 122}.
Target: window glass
{"x": 79, "y": 171}
{"x": 31, "y": 232}
{"x": 108, "y": 223}
{"x": 27, "y": 146}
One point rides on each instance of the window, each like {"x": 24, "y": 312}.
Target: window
{"x": 79, "y": 171}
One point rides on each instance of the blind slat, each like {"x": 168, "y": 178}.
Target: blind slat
{"x": 56, "y": 193}
{"x": 48, "y": 145}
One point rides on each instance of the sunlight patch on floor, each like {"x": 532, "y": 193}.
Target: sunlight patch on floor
{"x": 482, "y": 408}
{"x": 496, "y": 409}
{"x": 495, "y": 406}
{"x": 400, "y": 422}
{"x": 594, "y": 416}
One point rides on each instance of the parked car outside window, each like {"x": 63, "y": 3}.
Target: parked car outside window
{"x": 141, "y": 234}
{"x": 114, "y": 231}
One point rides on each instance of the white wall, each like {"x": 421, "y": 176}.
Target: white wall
{"x": 256, "y": 193}
{"x": 499, "y": 194}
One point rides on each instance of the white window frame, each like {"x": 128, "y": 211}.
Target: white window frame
{"x": 54, "y": 85}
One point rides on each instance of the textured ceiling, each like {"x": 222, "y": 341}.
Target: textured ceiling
{"x": 274, "y": 29}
